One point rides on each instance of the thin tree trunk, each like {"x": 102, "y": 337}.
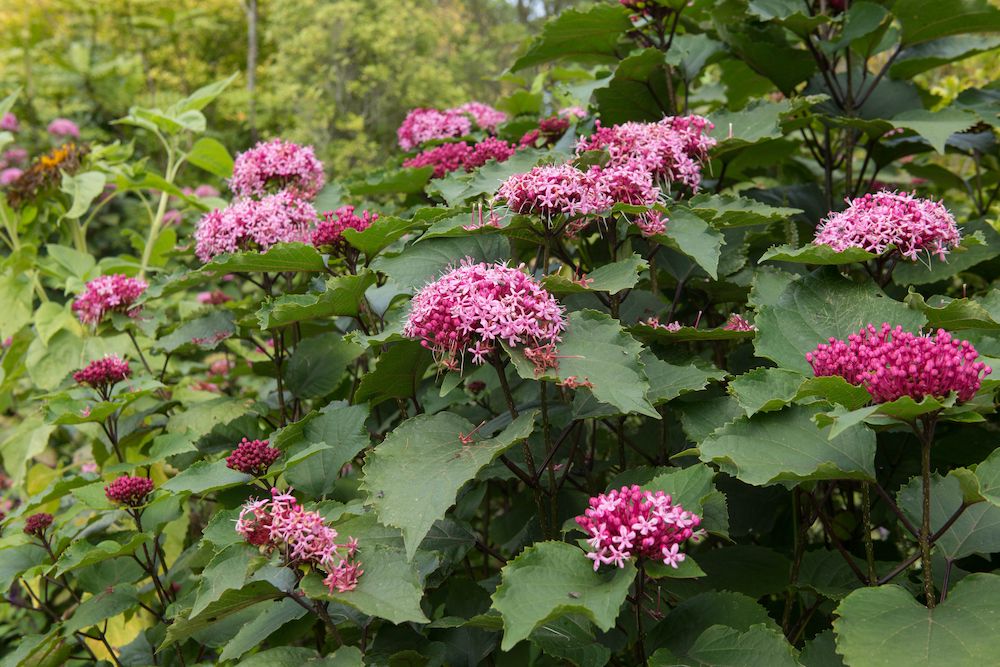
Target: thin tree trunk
{"x": 252, "y": 15}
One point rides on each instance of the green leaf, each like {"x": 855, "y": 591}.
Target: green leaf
{"x": 549, "y": 580}
{"x": 885, "y": 626}
{"x": 103, "y": 605}
{"x": 970, "y": 252}
{"x": 572, "y": 638}
{"x": 816, "y": 254}
{"x": 328, "y": 441}
{"x": 295, "y": 656}
{"x": 668, "y": 381}
{"x": 23, "y": 442}
{"x": 936, "y": 126}
{"x": 228, "y": 570}
{"x": 825, "y": 572}
{"x": 787, "y": 446}
{"x": 976, "y": 531}
{"x": 341, "y": 296}
{"x": 281, "y": 257}
{"x": 204, "y": 332}
{"x": 391, "y": 181}
{"x": 765, "y": 389}
{"x": 720, "y": 646}
{"x": 693, "y": 488}
{"x": 834, "y": 389}
{"x": 204, "y": 477}
{"x": 486, "y": 180}
{"x": 415, "y": 474}
{"x": 923, "y": 20}
{"x": 229, "y": 603}
{"x": 204, "y": 96}
{"x": 83, "y": 189}
{"x": 693, "y": 236}
{"x": 426, "y": 261}
{"x": 635, "y": 90}
{"x": 734, "y": 211}
{"x": 381, "y": 234}
{"x": 988, "y": 474}
{"x": 397, "y": 373}
{"x": 209, "y": 154}
{"x": 317, "y": 365}
{"x": 613, "y": 278}
{"x": 686, "y": 622}
{"x": 15, "y": 561}
{"x": 579, "y": 35}
{"x": 271, "y": 619}
{"x": 817, "y": 307}
{"x": 16, "y": 302}
{"x": 928, "y": 55}
{"x": 595, "y": 348}
{"x": 955, "y": 314}
{"x": 389, "y": 587}
{"x": 86, "y": 552}
{"x": 686, "y": 333}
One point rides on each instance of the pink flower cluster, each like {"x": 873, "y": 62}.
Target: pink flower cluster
{"x": 37, "y": 524}
{"x": 253, "y": 457}
{"x": 554, "y": 190}
{"x": 277, "y": 165}
{"x": 671, "y": 149}
{"x": 875, "y": 222}
{"x": 213, "y": 298}
{"x": 635, "y": 523}
{"x": 301, "y": 536}
{"x": 63, "y": 127}
{"x": 330, "y": 230}
{"x": 447, "y": 158}
{"x": 891, "y": 363}
{"x": 116, "y": 293}
{"x": 254, "y": 224}
{"x": 9, "y": 122}
{"x": 103, "y": 374}
{"x": 475, "y": 306}
{"x": 9, "y": 175}
{"x": 423, "y": 125}
{"x": 485, "y": 116}
{"x": 129, "y": 491}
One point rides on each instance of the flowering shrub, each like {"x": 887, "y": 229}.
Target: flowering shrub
{"x": 594, "y": 376}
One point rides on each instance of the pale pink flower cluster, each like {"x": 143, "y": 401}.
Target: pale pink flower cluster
{"x": 330, "y": 230}
{"x": 477, "y": 305}
{"x": 9, "y": 122}
{"x": 301, "y": 537}
{"x": 632, "y": 523}
{"x": 423, "y": 125}
{"x": 254, "y": 224}
{"x": 113, "y": 293}
{"x": 9, "y": 175}
{"x": 891, "y": 363}
{"x": 277, "y": 165}
{"x": 876, "y": 221}
{"x": 671, "y": 150}
{"x": 63, "y": 127}
{"x": 554, "y": 190}
{"x": 485, "y": 116}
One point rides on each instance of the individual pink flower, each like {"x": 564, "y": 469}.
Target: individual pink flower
{"x": 63, "y": 127}
{"x": 485, "y": 116}
{"x": 172, "y": 217}
{"x": 277, "y": 165}
{"x": 15, "y": 155}
{"x": 205, "y": 191}
{"x": 651, "y": 223}
{"x": 253, "y": 457}
{"x": 103, "y": 374}
{"x": 129, "y": 491}
{"x": 115, "y": 293}
{"x": 330, "y": 230}
{"x": 476, "y": 306}
{"x": 573, "y": 113}
{"x": 37, "y": 524}
{"x": 301, "y": 537}
{"x": 9, "y": 175}
{"x": 254, "y": 225}
{"x": 736, "y": 322}
{"x": 214, "y": 298}
{"x": 89, "y": 467}
{"x": 554, "y": 190}
{"x": 654, "y": 322}
{"x": 632, "y": 523}
{"x": 9, "y": 122}
{"x": 891, "y": 363}
{"x": 875, "y": 222}
{"x": 423, "y": 125}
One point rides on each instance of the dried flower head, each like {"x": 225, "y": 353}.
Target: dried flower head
{"x": 875, "y": 222}
{"x": 254, "y": 225}
{"x": 274, "y": 166}
{"x": 129, "y": 491}
{"x": 891, "y": 363}
{"x": 737, "y": 322}
{"x": 116, "y": 293}
{"x": 253, "y": 457}
{"x": 45, "y": 173}
{"x": 632, "y": 523}
{"x": 103, "y": 374}
{"x": 477, "y": 305}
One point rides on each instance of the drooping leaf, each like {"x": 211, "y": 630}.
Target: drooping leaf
{"x": 204, "y": 477}
{"x": 425, "y": 261}
{"x": 341, "y": 296}
{"x": 397, "y": 373}
{"x": 209, "y": 154}
{"x": 612, "y": 277}
{"x": 816, "y": 254}
{"x": 318, "y": 363}
{"x": 229, "y": 603}
{"x": 583, "y": 35}
{"x": 734, "y": 211}
{"x": 692, "y": 236}
{"x": 282, "y": 257}
{"x": 936, "y": 126}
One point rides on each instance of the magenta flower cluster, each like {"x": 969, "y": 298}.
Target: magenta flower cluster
{"x": 891, "y": 363}
{"x": 115, "y": 293}
{"x": 37, "y": 524}
{"x": 330, "y": 229}
{"x": 423, "y": 125}
{"x": 103, "y": 374}
{"x": 876, "y": 221}
{"x": 277, "y": 165}
{"x": 301, "y": 537}
{"x": 63, "y": 127}
{"x": 129, "y": 491}
{"x": 477, "y": 305}
{"x": 254, "y": 224}
{"x": 253, "y": 457}
{"x": 447, "y": 158}
{"x": 632, "y": 523}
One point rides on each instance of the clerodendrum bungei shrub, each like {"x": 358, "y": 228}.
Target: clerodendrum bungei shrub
{"x": 680, "y": 356}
